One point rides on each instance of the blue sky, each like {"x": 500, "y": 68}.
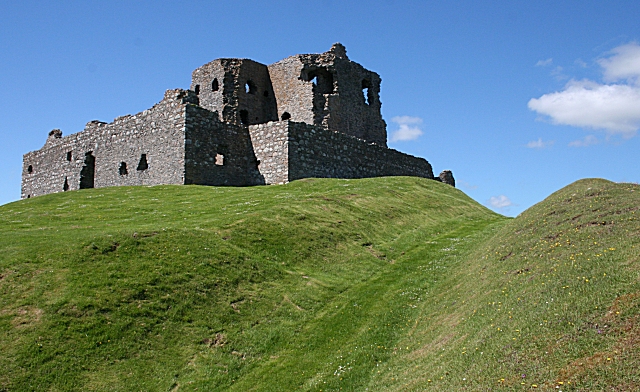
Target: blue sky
{"x": 517, "y": 98}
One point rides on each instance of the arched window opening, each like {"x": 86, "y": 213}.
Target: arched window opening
{"x": 65, "y": 187}
{"x": 285, "y": 116}
{"x": 123, "y": 169}
{"x": 30, "y": 169}
{"x": 244, "y": 117}
{"x": 366, "y": 91}
{"x": 215, "y": 86}
{"x": 69, "y": 156}
{"x": 197, "y": 89}
{"x": 87, "y": 172}
{"x": 143, "y": 165}
{"x": 250, "y": 87}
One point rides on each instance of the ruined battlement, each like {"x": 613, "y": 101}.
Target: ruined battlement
{"x": 240, "y": 123}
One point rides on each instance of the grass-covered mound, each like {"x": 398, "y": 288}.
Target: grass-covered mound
{"x": 385, "y": 284}
{"x": 551, "y": 301}
{"x": 218, "y": 288}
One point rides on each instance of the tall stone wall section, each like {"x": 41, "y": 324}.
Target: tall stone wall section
{"x": 158, "y": 133}
{"x": 317, "y": 152}
{"x": 218, "y": 153}
{"x": 270, "y": 143}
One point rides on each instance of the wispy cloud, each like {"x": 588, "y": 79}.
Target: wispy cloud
{"x": 613, "y": 107}
{"x": 466, "y": 185}
{"x": 409, "y": 128}
{"x": 540, "y": 143}
{"x": 624, "y": 64}
{"x": 589, "y": 140}
{"x": 544, "y": 63}
{"x": 500, "y": 203}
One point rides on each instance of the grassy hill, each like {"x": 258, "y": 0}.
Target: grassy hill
{"x": 376, "y": 284}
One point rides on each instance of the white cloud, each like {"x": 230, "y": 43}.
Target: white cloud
{"x": 499, "y": 202}
{"x": 409, "y": 128}
{"x": 540, "y": 144}
{"x": 588, "y": 140}
{"x": 614, "y": 108}
{"x": 544, "y": 63}
{"x": 624, "y": 64}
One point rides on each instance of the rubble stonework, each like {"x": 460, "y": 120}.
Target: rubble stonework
{"x": 241, "y": 123}
{"x": 447, "y": 177}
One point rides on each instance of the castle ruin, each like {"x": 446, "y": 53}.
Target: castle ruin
{"x": 241, "y": 123}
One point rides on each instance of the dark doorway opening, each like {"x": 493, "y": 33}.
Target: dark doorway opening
{"x": 143, "y": 165}
{"x": 88, "y": 171}
{"x": 244, "y": 117}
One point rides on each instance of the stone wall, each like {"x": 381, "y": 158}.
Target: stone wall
{"x": 271, "y": 148}
{"x": 317, "y": 152}
{"x": 239, "y": 90}
{"x": 332, "y": 91}
{"x": 116, "y": 150}
{"x": 218, "y": 153}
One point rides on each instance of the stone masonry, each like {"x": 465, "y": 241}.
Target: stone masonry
{"x": 241, "y": 123}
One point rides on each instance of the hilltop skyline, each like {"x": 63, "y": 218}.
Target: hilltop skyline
{"x": 516, "y": 100}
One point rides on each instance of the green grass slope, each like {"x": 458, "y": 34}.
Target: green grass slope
{"x": 550, "y": 302}
{"x": 378, "y": 284}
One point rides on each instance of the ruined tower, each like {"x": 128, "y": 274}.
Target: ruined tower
{"x": 238, "y": 89}
{"x": 331, "y": 91}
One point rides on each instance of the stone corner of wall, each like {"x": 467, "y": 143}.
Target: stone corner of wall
{"x": 181, "y": 95}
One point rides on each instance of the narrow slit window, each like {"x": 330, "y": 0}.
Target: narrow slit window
{"x": 123, "y": 169}
{"x": 244, "y": 117}
{"x": 366, "y": 92}
{"x": 215, "y": 86}
{"x": 143, "y": 164}
{"x": 197, "y": 89}
{"x": 30, "y": 169}
{"x": 69, "y": 156}
{"x": 65, "y": 187}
